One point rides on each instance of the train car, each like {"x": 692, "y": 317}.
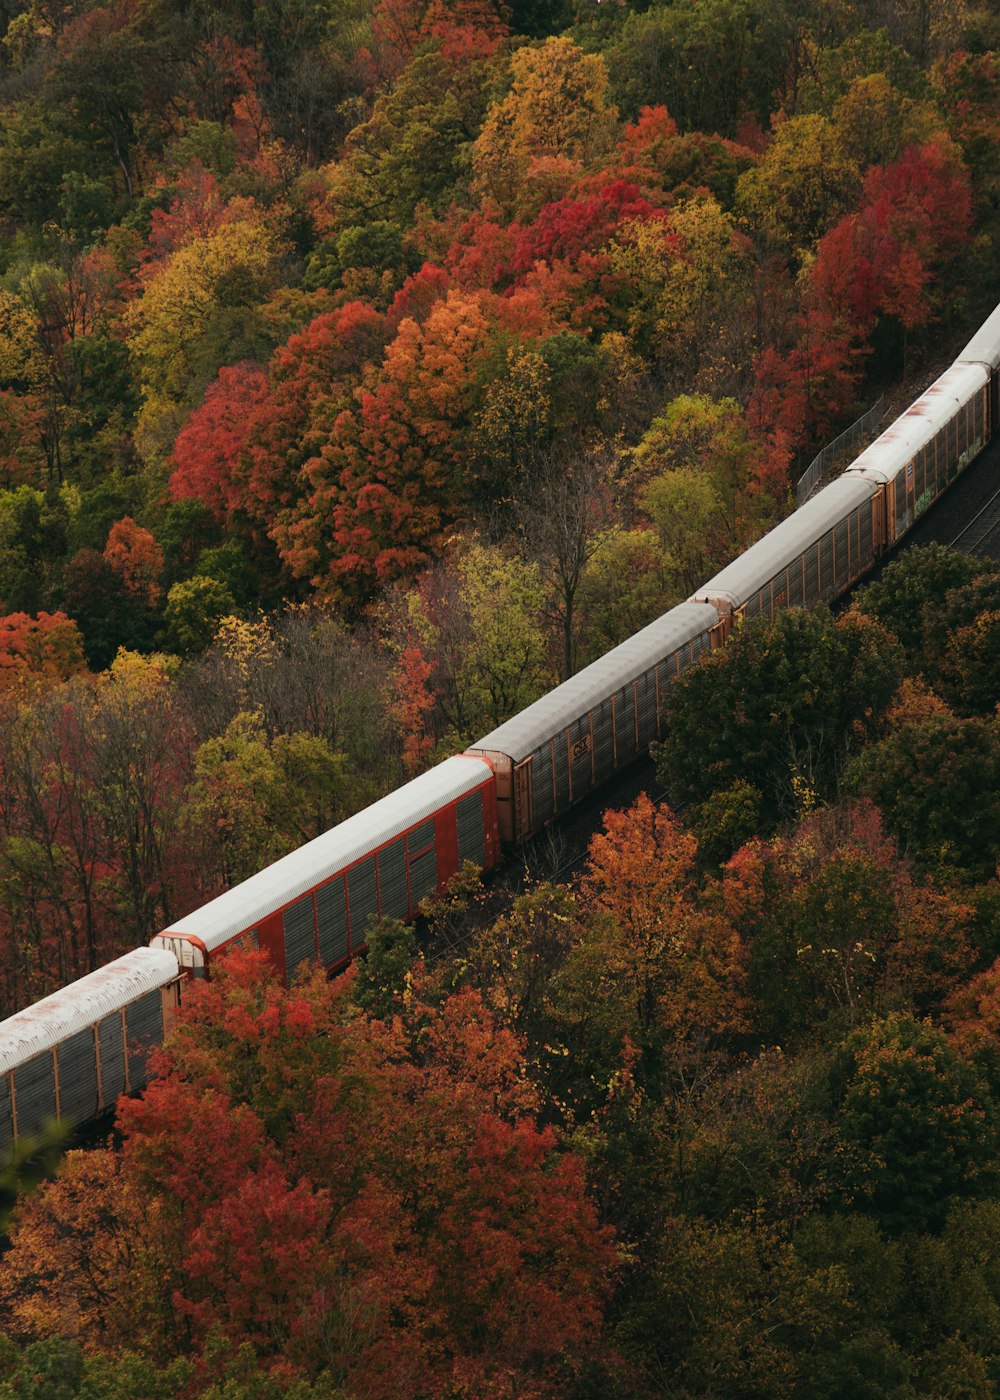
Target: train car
{"x": 984, "y": 349}
{"x": 578, "y": 735}
{"x": 315, "y": 904}
{"x": 812, "y": 557}
{"x": 923, "y": 451}
{"x": 71, "y": 1055}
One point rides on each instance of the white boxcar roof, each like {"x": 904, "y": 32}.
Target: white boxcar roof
{"x": 55, "y": 1018}
{"x": 283, "y": 882}
{"x": 926, "y": 416}
{"x": 984, "y": 347}
{"x": 550, "y": 715}
{"x": 757, "y": 565}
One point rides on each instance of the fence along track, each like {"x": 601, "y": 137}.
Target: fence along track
{"x": 846, "y": 442}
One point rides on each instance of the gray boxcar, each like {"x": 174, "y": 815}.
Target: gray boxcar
{"x": 809, "y": 558}
{"x": 72, "y": 1054}
{"x": 578, "y": 735}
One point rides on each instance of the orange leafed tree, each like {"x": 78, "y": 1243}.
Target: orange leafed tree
{"x": 135, "y": 555}
{"x": 389, "y": 481}
{"x": 47, "y": 647}
{"x": 74, "y": 1266}
{"x": 684, "y": 966}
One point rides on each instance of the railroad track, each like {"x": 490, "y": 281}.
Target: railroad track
{"x": 986, "y": 522}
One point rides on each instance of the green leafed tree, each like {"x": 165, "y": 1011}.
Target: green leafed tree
{"x": 925, "y": 1117}
{"x": 938, "y": 782}
{"x": 781, "y": 708}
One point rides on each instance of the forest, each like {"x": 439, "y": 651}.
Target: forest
{"x": 367, "y": 367}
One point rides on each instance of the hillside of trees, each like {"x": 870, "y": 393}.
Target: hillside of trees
{"x": 720, "y": 1117}
{"x": 366, "y": 368}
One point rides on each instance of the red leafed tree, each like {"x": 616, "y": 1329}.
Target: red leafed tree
{"x": 197, "y": 209}
{"x": 972, "y": 1015}
{"x": 399, "y": 27}
{"x": 926, "y": 195}
{"x": 917, "y": 216}
{"x": 221, "y": 75}
{"x": 798, "y": 396}
{"x": 242, "y": 449}
{"x": 419, "y": 293}
{"x": 375, "y": 1196}
{"x": 645, "y": 139}
{"x": 481, "y": 253}
{"x": 22, "y": 429}
{"x": 208, "y": 447}
{"x": 311, "y": 381}
{"x": 656, "y": 156}
{"x": 414, "y": 700}
{"x": 570, "y": 226}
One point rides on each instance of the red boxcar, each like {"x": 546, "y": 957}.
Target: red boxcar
{"x": 316, "y": 903}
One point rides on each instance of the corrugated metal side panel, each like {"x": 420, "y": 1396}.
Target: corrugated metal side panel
{"x": 540, "y": 769}
{"x": 578, "y": 757}
{"x": 604, "y": 747}
{"x": 362, "y": 902}
{"x": 826, "y": 579}
{"x": 811, "y": 588}
{"x": 646, "y": 708}
{"x": 143, "y": 1031}
{"x": 6, "y": 1118}
{"x": 841, "y": 571}
{"x": 625, "y": 724}
{"x": 559, "y": 751}
{"x": 865, "y": 543}
{"x": 300, "y": 940}
{"x": 904, "y": 514}
{"x": 471, "y": 833}
{"x": 794, "y": 584}
{"x": 423, "y": 881}
{"x": 392, "y": 898}
{"x": 78, "y": 1098}
{"x": 331, "y": 914}
{"x": 112, "y": 1058}
{"x": 420, "y": 838}
{"x": 35, "y": 1093}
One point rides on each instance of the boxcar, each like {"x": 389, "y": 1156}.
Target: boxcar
{"x": 927, "y": 446}
{"x": 984, "y": 349}
{"x": 578, "y": 735}
{"x": 315, "y": 904}
{"x": 72, "y": 1054}
{"x": 809, "y": 558}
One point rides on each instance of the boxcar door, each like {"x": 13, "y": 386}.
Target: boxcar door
{"x": 521, "y": 785}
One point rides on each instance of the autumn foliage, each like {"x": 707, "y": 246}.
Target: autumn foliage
{"x": 365, "y": 368}
{"x": 46, "y": 647}
{"x": 377, "y": 1199}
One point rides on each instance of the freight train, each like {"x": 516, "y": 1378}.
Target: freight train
{"x": 72, "y": 1054}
